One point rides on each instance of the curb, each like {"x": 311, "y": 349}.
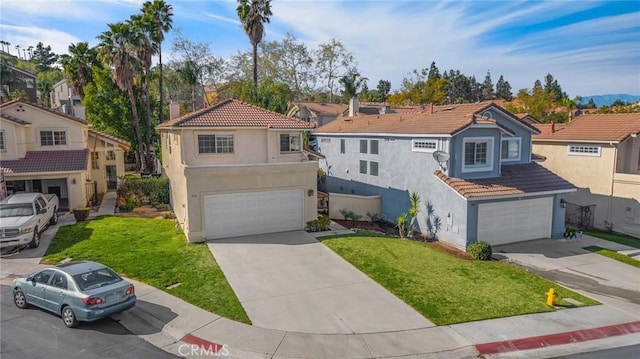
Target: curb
{"x": 558, "y": 338}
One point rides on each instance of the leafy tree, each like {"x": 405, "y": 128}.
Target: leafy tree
{"x": 552, "y": 88}
{"x": 536, "y": 102}
{"x": 43, "y": 57}
{"x": 384, "y": 87}
{"x": 253, "y": 14}
{"x": 77, "y": 66}
{"x": 332, "y": 58}
{"x": 18, "y": 94}
{"x": 591, "y": 104}
{"x": 434, "y": 73}
{"x": 352, "y": 83}
{"x": 7, "y": 74}
{"x": 274, "y": 96}
{"x": 503, "y": 89}
{"x": 295, "y": 66}
{"x": 44, "y": 84}
{"x": 487, "y": 87}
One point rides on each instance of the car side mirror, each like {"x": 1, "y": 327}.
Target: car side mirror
{"x": 31, "y": 279}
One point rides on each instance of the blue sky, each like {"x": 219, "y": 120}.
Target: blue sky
{"x": 590, "y": 47}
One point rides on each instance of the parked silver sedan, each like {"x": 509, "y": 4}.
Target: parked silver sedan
{"x": 77, "y": 291}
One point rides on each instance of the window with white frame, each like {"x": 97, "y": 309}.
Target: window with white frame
{"x": 363, "y": 146}
{"x": 3, "y": 146}
{"x": 424, "y": 145}
{"x": 111, "y": 156}
{"x": 95, "y": 158}
{"x": 53, "y": 138}
{"x": 215, "y": 144}
{"x": 510, "y": 150}
{"x": 373, "y": 168}
{"x": 478, "y": 154}
{"x": 290, "y": 142}
{"x": 363, "y": 167}
{"x": 373, "y": 147}
{"x": 343, "y": 145}
{"x": 584, "y": 150}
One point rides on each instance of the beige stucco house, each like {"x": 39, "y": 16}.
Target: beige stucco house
{"x": 42, "y": 150}
{"x": 317, "y": 113}
{"x": 600, "y": 154}
{"x": 236, "y": 169}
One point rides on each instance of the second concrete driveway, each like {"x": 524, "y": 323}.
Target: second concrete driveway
{"x": 290, "y": 281}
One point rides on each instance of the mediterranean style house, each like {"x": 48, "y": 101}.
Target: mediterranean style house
{"x": 600, "y": 154}
{"x": 235, "y": 169}
{"x": 470, "y": 162}
{"x": 42, "y": 150}
{"x": 16, "y": 79}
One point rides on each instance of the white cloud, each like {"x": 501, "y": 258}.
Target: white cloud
{"x": 30, "y": 35}
{"x": 61, "y": 9}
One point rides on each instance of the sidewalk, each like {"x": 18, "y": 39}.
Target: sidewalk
{"x": 185, "y": 330}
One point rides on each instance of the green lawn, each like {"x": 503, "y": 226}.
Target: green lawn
{"x": 447, "y": 289}
{"x": 614, "y": 237}
{"x": 613, "y": 255}
{"x": 153, "y": 252}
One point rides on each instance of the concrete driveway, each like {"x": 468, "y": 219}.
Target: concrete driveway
{"x": 566, "y": 263}
{"x": 290, "y": 281}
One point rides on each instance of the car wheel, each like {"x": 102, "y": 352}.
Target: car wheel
{"x": 54, "y": 218}
{"x": 69, "y": 317}
{"x": 35, "y": 242}
{"x": 20, "y": 299}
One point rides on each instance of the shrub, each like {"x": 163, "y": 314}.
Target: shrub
{"x": 162, "y": 207}
{"x": 350, "y": 215}
{"x": 169, "y": 215}
{"x": 151, "y": 190}
{"x": 81, "y": 214}
{"x": 374, "y": 217}
{"x": 129, "y": 204}
{"x": 323, "y": 223}
{"x": 480, "y": 250}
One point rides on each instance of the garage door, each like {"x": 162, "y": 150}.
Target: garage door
{"x": 514, "y": 221}
{"x": 242, "y": 214}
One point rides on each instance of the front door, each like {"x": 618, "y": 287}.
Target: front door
{"x": 112, "y": 177}
{"x": 34, "y": 290}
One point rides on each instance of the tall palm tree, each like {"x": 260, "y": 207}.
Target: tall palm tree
{"x": 253, "y": 14}
{"x": 117, "y": 49}
{"x": 78, "y": 65}
{"x": 160, "y": 14}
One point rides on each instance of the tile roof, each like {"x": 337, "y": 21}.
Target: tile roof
{"x": 14, "y": 119}
{"x": 48, "y": 161}
{"x": 125, "y": 145}
{"x": 515, "y": 180}
{"x": 593, "y": 127}
{"x": 334, "y": 109}
{"x": 43, "y": 108}
{"x": 446, "y": 119}
{"x": 234, "y": 113}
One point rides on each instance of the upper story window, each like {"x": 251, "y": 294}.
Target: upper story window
{"x": 478, "y": 154}
{"x": 111, "y": 156}
{"x": 343, "y": 145}
{"x": 510, "y": 150}
{"x": 584, "y": 150}
{"x": 422, "y": 145}
{"x": 53, "y": 138}
{"x": 363, "y": 146}
{"x": 373, "y": 147}
{"x": 3, "y": 146}
{"x": 290, "y": 142}
{"x": 95, "y": 157}
{"x": 215, "y": 143}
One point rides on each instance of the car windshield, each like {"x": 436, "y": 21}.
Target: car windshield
{"x": 16, "y": 210}
{"x": 96, "y": 279}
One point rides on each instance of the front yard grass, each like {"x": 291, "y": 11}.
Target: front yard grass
{"x": 613, "y": 255}
{"x": 614, "y": 237}
{"x": 447, "y": 289}
{"x": 153, "y": 252}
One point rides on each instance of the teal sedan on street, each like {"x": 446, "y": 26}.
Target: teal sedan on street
{"x": 77, "y": 291}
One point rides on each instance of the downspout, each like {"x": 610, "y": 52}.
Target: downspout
{"x": 613, "y": 173}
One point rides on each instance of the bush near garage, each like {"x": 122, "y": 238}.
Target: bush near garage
{"x": 480, "y": 250}
{"x": 154, "y": 191}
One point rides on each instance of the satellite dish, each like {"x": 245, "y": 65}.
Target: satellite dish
{"x": 441, "y": 157}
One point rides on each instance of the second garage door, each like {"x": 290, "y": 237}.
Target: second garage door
{"x": 242, "y": 214}
{"x": 514, "y": 221}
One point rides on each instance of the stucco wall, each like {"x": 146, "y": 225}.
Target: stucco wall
{"x": 207, "y": 180}
{"x": 457, "y": 153}
{"x": 360, "y": 205}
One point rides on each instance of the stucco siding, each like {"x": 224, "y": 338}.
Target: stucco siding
{"x": 457, "y": 153}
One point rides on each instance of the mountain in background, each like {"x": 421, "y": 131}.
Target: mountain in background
{"x": 606, "y": 100}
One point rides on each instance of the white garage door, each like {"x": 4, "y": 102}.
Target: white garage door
{"x": 514, "y": 221}
{"x": 242, "y": 214}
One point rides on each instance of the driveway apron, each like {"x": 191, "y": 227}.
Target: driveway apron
{"x": 290, "y": 281}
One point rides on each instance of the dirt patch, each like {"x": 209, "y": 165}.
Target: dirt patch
{"x": 363, "y": 225}
{"x": 145, "y": 211}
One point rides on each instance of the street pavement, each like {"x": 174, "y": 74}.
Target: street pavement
{"x": 183, "y": 329}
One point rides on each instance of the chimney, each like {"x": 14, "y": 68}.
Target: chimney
{"x": 431, "y": 108}
{"x": 354, "y": 106}
{"x": 174, "y": 110}
{"x": 553, "y": 126}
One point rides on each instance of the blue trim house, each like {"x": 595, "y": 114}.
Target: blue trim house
{"x": 481, "y": 184}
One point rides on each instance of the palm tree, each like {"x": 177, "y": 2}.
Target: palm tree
{"x": 352, "y": 83}
{"x": 117, "y": 49}
{"x": 18, "y": 48}
{"x": 253, "y": 14}
{"x": 160, "y": 14}
{"x": 78, "y": 65}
